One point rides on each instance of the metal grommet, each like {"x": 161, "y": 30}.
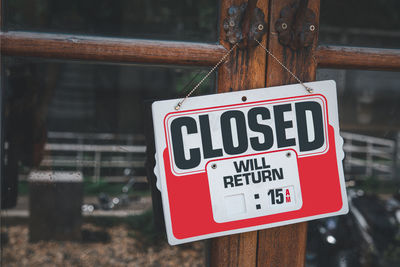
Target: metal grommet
{"x": 260, "y": 27}
{"x": 284, "y": 26}
{"x": 312, "y": 28}
{"x": 213, "y": 166}
{"x": 244, "y": 99}
{"x": 288, "y": 154}
{"x": 231, "y": 23}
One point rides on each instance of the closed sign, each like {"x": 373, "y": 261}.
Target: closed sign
{"x": 249, "y": 160}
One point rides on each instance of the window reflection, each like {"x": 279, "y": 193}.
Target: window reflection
{"x": 183, "y": 20}
{"x": 366, "y": 23}
{"x": 75, "y": 173}
{"x": 369, "y": 114}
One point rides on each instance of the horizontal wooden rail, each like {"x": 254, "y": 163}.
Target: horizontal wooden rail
{"x": 358, "y": 58}
{"x": 81, "y": 47}
{"x": 109, "y": 49}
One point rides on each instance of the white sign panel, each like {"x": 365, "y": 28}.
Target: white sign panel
{"x": 238, "y": 185}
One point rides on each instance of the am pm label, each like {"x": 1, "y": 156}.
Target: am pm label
{"x": 253, "y": 186}
{"x": 226, "y": 166}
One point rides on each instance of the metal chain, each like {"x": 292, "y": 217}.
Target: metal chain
{"x": 310, "y": 90}
{"x": 178, "y": 106}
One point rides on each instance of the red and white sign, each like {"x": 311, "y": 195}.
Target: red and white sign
{"x": 228, "y": 164}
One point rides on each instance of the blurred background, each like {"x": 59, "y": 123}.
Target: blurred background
{"x": 76, "y": 135}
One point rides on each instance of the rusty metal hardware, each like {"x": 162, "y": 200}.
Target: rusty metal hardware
{"x": 296, "y": 26}
{"x": 244, "y": 24}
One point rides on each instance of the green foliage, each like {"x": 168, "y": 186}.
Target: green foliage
{"x": 23, "y": 188}
{"x": 373, "y": 185}
{"x": 391, "y": 256}
{"x": 144, "y": 229}
{"x": 94, "y": 188}
{"x": 188, "y": 80}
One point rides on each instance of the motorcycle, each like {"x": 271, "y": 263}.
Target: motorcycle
{"x": 105, "y": 202}
{"x": 360, "y": 238}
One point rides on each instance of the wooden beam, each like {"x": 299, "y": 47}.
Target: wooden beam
{"x": 169, "y": 52}
{"x": 245, "y": 69}
{"x": 109, "y": 49}
{"x": 343, "y": 57}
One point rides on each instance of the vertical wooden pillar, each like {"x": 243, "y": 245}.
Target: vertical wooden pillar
{"x": 246, "y": 69}
{"x": 285, "y": 246}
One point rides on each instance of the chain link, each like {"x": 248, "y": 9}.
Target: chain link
{"x": 178, "y": 106}
{"x": 310, "y": 90}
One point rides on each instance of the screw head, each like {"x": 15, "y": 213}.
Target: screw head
{"x": 213, "y": 166}
{"x": 284, "y": 26}
{"x": 312, "y": 28}
{"x": 260, "y": 27}
{"x": 226, "y": 26}
{"x": 288, "y": 154}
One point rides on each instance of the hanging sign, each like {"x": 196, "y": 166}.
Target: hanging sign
{"x": 249, "y": 160}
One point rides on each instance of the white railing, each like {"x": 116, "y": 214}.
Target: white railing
{"x": 365, "y": 155}
{"x": 70, "y": 150}
{"x": 368, "y": 156}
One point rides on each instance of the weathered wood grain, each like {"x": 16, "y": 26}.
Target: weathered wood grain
{"x": 179, "y": 53}
{"x": 245, "y": 69}
{"x": 358, "y": 58}
{"x": 286, "y": 245}
{"x": 109, "y": 49}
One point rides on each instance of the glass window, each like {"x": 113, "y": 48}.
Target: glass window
{"x": 75, "y": 140}
{"x": 369, "y": 114}
{"x": 184, "y": 20}
{"x": 368, "y": 23}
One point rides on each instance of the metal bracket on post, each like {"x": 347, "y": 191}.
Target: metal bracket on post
{"x": 245, "y": 23}
{"x": 296, "y": 26}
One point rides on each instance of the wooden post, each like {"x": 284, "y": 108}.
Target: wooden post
{"x": 246, "y": 69}
{"x": 55, "y": 201}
